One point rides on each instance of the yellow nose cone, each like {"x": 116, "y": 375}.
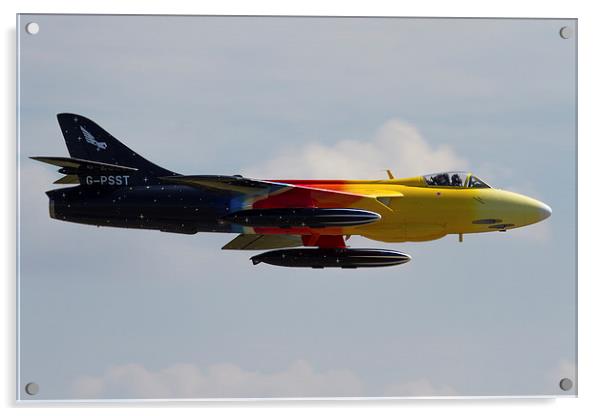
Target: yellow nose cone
{"x": 526, "y": 210}
{"x": 544, "y": 211}
{"x": 512, "y": 209}
{"x": 533, "y": 210}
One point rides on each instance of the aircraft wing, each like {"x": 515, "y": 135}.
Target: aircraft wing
{"x": 271, "y": 194}
{"x": 235, "y": 183}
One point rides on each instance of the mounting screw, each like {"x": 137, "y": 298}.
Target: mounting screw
{"x": 566, "y": 32}
{"x": 32, "y": 28}
{"x": 32, "y": 389}
{"x": 566, "y": 384}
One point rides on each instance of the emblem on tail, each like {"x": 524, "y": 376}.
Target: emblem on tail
{"x": 90, "y": 139}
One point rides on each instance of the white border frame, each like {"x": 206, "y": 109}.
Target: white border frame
{"x": 589, "y": 68}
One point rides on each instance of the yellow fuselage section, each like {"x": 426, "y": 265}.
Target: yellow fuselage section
{"x": 412, "y": 211}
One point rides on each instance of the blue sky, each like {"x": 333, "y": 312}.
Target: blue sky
{"x": 109, "y": 313}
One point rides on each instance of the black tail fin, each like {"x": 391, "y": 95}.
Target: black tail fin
{"x": 87, "y": 140}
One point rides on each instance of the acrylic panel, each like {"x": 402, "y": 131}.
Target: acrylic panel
{"x": 295, "y": 207}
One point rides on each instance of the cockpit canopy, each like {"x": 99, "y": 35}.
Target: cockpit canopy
{"x": 458, "y": 179}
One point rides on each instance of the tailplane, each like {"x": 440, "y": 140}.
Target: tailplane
{"x": 86, "y": 140}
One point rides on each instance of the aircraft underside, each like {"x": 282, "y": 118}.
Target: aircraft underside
{"x": 186, "y": 210}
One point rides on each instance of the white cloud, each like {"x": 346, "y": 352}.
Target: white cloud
{"x": 417, "y": 388}
{"x": 300, "y": 379}
{"x": 397, "y": 145}
{"x": 226, "y": 380}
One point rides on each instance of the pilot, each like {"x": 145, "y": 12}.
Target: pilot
{"x": 442, "y": 180}
{"x": 455, "y": 180}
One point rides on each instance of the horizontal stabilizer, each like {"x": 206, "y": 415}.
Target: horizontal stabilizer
{"x": 67, "y": 180}
{"x": 263, "y": 242}
{"x": 81, "y": 165}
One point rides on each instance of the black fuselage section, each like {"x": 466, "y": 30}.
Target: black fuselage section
{"x": 171, "y": 208}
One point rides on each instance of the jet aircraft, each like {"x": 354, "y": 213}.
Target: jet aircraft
{"x": 116, "y": 187}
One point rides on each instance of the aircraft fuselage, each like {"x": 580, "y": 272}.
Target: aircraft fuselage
{"x": 116, "y": 187}
{"x": 417, "y": 214}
